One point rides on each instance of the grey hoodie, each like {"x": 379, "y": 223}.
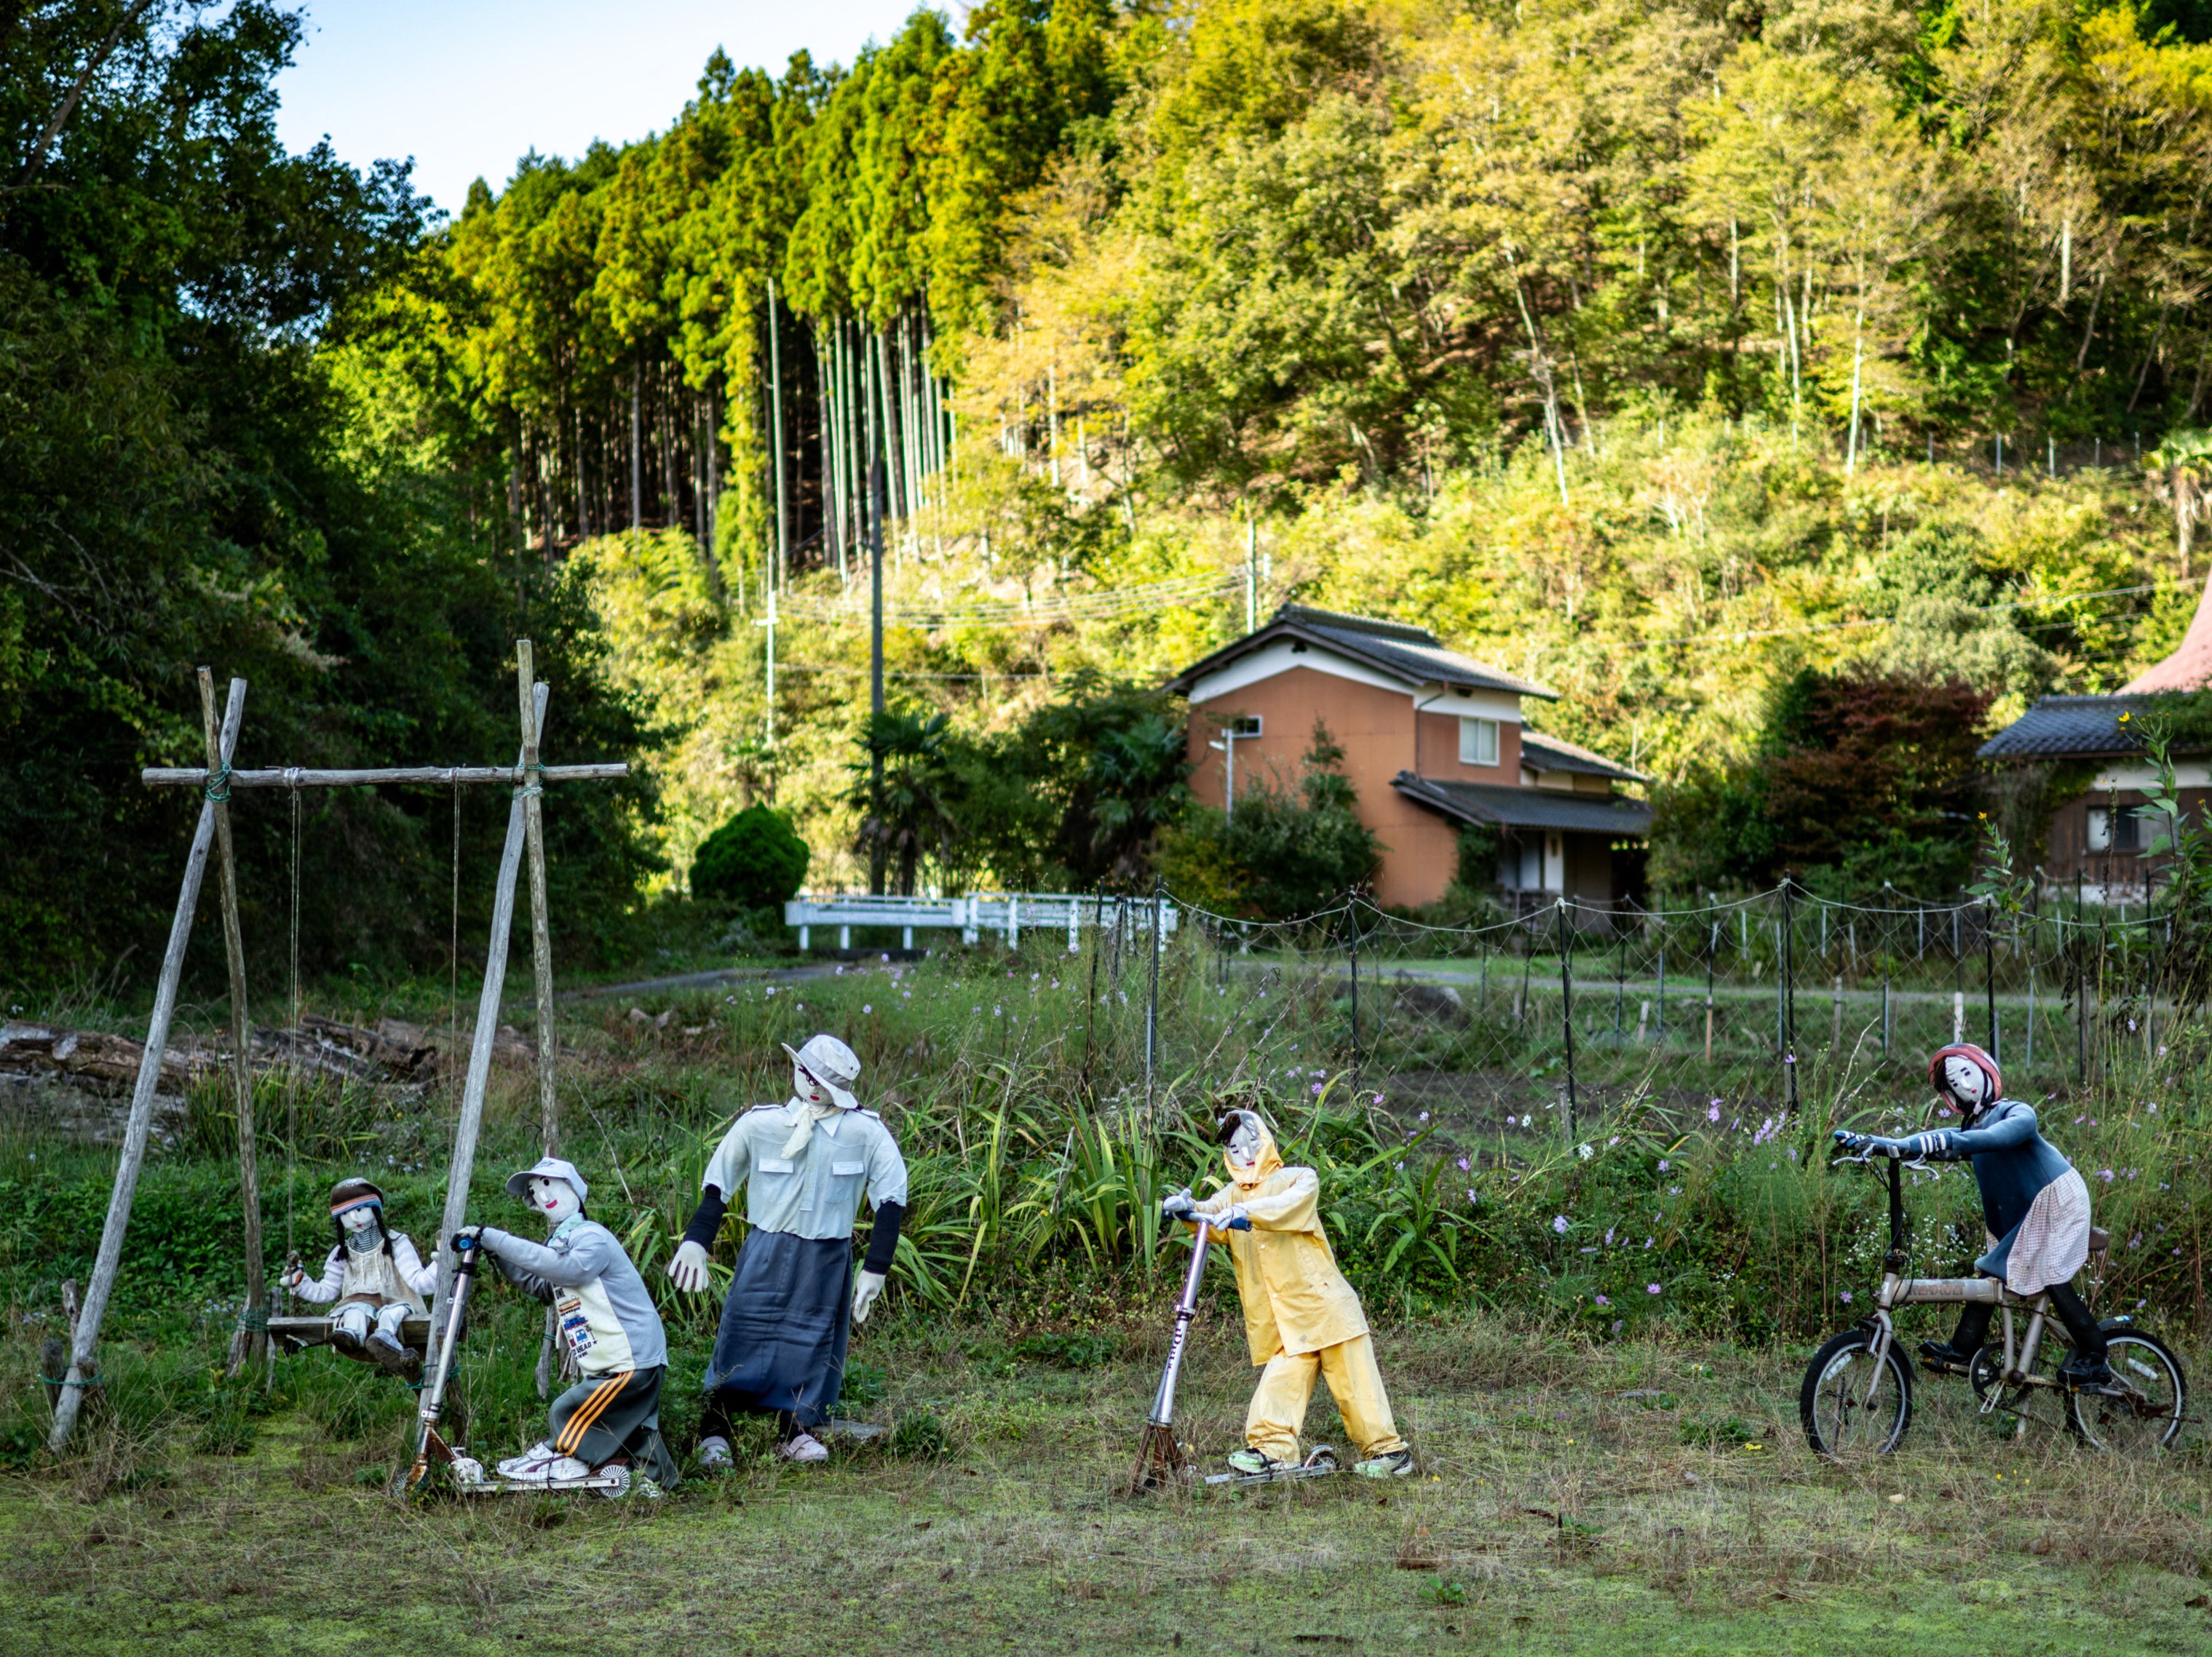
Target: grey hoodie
{"x": 605, "y": 1314}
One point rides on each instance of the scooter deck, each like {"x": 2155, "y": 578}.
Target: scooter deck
{"x": 1321, "y": 1462}
{"x": 540, "y": 1487}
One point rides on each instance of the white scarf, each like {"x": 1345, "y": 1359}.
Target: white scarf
{"x": 804, "y": 1116}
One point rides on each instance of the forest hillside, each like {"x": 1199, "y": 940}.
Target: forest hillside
{"x": 1657, "y": 352}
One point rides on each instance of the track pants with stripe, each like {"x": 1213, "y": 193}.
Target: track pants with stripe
{"x": 603, "y": 1417}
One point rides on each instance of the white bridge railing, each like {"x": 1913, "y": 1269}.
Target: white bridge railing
{"x": 1009, "y": 913}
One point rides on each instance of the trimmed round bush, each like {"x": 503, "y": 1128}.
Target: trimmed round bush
{"x": 756, "y": 859}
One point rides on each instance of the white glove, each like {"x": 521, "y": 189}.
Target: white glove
{"x": 688, "y": 1270}
{"x": 866, "y": 1288}
{"x": 1233, "y": 1218}
{"x": 290, "y": 1279}
{"x": 1178, "y": 1206}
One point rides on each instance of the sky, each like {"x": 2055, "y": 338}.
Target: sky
{"x": 466, "y": 87}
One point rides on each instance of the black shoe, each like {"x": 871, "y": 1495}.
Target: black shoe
{"x": 1944, "y": 1359}
{"x": 2083, "y": 1373}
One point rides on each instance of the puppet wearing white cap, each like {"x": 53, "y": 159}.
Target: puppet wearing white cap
{"x": 804, "y": 1165}
{"x": 612, "y": 1416}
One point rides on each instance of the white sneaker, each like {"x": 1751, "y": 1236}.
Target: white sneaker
{"x": 714, "y": 1455}
{"x": 804, "y": 1447}
{"x": 542, "y": 1464}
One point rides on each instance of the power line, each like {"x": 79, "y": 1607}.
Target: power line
{"x": 1745, "y": 637}
{"x": 1143, "y": 598}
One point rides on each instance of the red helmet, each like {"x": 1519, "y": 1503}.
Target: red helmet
{"x": 1974, "y": 1056}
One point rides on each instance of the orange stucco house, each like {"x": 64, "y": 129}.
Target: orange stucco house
{"x": 1434, "y": 741}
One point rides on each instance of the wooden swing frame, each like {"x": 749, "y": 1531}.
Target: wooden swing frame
{"x": 525, "y": 830}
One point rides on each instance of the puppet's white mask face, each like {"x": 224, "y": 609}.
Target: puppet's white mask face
{"x": 555, "y": 1200}
{"x": 805, "y": 1088}
{"x": 359, "y": 1225}
{"x": 1967, "y": 1085}
{"x": 1244, "y": 1146}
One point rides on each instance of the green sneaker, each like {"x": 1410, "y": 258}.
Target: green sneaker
{"x": 1396, "y": 1464}
{"x": 1248, "y": 1461}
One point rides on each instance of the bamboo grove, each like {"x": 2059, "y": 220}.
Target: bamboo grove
{"x": 1245, "y": 249}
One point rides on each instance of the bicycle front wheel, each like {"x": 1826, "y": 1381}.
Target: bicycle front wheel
{"x": 2141, "y": 1412}
{"x": 1853, "y": 1404}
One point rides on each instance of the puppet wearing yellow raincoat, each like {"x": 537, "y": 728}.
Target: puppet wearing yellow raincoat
{"x": 1301, "y": 1317}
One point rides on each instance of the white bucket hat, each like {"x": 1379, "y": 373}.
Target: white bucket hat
{"x": 548, "y": 1168}
{"x": 831, "y": 1063}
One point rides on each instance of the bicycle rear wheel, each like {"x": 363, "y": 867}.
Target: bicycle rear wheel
{"x": 2142, "y": 1412}
{"x": 1854, "y": 1405}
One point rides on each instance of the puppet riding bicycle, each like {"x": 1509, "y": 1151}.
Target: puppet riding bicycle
{"x": 2124, "y": 1389}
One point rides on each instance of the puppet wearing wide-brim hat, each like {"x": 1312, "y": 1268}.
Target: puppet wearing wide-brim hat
{"x": 780, "y": 1348}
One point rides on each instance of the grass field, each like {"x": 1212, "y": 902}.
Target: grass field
{"x": 1632, "y": 1497}
{"x": 1594, "y": 1341}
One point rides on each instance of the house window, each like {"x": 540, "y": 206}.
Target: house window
{"x": 1244, "y": 725}
{"x": 1478, "y": 741}
{"x": 2114, "y": 829}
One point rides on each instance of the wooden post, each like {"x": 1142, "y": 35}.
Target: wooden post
{"x": 472, "y": 1095}
{"x": 541, "y": 945}
{"x": 141, "y": 1125}
{"x": 541, "y": 936}
{"x": 251, "y": 1337}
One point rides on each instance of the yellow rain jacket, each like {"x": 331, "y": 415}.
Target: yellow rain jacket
{"x": 1295, "y": 1299}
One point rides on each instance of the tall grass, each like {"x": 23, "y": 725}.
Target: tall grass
{"x": 1456, "y": 1167}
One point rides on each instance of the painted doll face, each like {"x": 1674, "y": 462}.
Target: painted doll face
{"x": 1966, "y": 1086}
{"x": 805, "y": 1088}
{"x": 359, "y": 1225}
{"x": 1244, "y": 1146}
{"x": 553, "y": 1200}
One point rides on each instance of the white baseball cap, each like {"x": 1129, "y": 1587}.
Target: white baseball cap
{"x": 548, "y": 1168}
{"x": 831, "y": 1063}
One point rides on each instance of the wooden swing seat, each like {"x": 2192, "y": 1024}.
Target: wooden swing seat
{"x": 297, "y": 1334}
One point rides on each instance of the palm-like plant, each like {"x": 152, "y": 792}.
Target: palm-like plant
{"x": 2186, "y": 458}
{"x": 907, "y": 816}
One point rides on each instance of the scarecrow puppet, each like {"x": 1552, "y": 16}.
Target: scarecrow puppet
{"x": 612, "y": 1417}
{"x": 1301, "y": 1317}
{"x": 375, "y": 1275}
{"x": 794, "y": 1299}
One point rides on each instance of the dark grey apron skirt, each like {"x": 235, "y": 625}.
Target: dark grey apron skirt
{"x": 782, "y": 1343}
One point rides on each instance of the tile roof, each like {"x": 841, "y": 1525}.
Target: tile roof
{"x": 1411, "y": 654}
{"x": 1527, "y": 808}
{"x": 1541, "y": 753}
{"x": 2190, "y": 667}
{"x": 2060, "y": 727}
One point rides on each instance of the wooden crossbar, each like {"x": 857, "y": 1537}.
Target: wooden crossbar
{"x": 440, "y": 776}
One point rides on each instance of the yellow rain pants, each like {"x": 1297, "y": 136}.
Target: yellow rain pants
{"x": 1301, "y": 1317}
{"x": 1279, "y": 1407}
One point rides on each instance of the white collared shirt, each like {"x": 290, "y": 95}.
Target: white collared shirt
{"x": 815, "y": 1194}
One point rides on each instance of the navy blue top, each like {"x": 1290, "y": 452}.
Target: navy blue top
{"x": 2012, "y": 1162}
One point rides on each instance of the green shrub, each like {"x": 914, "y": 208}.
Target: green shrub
{"x": 755, "y": 860}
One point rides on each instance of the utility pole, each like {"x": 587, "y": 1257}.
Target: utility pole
{"x": 1251, "y": 575}
{"x": 776, "y": 421}
{"x": 875, "y": 662}
{"x": 637, "y": 449}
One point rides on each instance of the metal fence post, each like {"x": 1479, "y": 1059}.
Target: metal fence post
{"x": 1090, "y": 1012}
{"x": 1789, "y": 966}
{"x": 1352, "y": 947}
{"x": 1990, "y": 976}
{"x": 1567, "y": 1009}
{"x": 1152, "y": 997}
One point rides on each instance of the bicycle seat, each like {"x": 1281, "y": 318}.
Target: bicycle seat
{"x": 2100, "y": 1238}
